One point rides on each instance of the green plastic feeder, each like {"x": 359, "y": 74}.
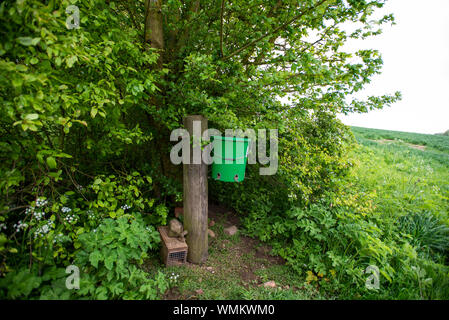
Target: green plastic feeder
{"x": 229, "y": 159}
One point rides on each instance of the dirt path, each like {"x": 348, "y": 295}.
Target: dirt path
{"x": 414, "y": 146}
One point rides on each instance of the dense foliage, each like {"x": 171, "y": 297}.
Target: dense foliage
{"x": 86, "y": 115}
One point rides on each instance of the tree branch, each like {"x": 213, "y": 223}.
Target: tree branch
{"x": 274, "y": 31}
{"x": 221, "y": 27}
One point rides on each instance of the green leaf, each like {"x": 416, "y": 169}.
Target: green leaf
{"x": 102, "y": 293}
{"x": 17, "y": 82}
{"x": 26, "y": 41}
{"x": 51, "y": 162}
{"x": 71, "y": 61}
{"x": 21, "y": 68}
{"x": 35, "y": 41}
{"x": 95, "y": 257}
{"x": 40, "y": 95}
{"x": 32, "y": 116}
{"x": 109, "y": 261}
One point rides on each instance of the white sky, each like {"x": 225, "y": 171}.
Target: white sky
{"x": 416, "y": 62}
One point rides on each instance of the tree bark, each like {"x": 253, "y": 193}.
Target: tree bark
{"x": 154, "y": 29}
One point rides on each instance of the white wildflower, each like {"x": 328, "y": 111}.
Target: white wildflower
{"x": 38, "y": 215}
{"x": 70, "y": 218}
{"x": 66, "y": 209}
{"x": 20, "y": 225}
{"x": 44, "y": 229}
{"x": 40, "y": 202}
{"x": 174, "y": 277}
{"x": 91, "y": 214}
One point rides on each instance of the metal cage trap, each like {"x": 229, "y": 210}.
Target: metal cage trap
{"x": 173, "y": 250}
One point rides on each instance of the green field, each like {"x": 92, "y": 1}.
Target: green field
{"x": 410, "y": 170}
{"x": 433, "y": 142}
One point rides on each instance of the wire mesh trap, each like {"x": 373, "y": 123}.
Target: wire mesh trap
{"x": 173, "y": 250}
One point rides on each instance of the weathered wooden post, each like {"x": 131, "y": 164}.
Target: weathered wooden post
{"x": 196, "y": 193}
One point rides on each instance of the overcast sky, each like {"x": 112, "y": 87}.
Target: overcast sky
{"x": 416, "y": 62}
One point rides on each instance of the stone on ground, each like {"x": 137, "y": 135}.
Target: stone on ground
{"x": 270, "y": 284}
{"x": 230, "y": 231}
{"x": 199, "y": 291}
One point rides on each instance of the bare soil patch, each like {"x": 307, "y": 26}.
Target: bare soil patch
{"x": 173, "y": 294}
{"x": 384, "y": 141}
{"x": 418, "y": 147}
{"x": 414, "y": 146}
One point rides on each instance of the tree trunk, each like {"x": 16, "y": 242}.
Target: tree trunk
{"x": 154, "y": 31}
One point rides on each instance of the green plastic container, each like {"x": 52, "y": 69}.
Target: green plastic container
{"x": 229, "y": 159}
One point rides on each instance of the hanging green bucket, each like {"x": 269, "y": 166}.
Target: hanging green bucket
{"x": 230, "y": 157}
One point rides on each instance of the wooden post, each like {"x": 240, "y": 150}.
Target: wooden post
{"x": 195, "y": 194}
